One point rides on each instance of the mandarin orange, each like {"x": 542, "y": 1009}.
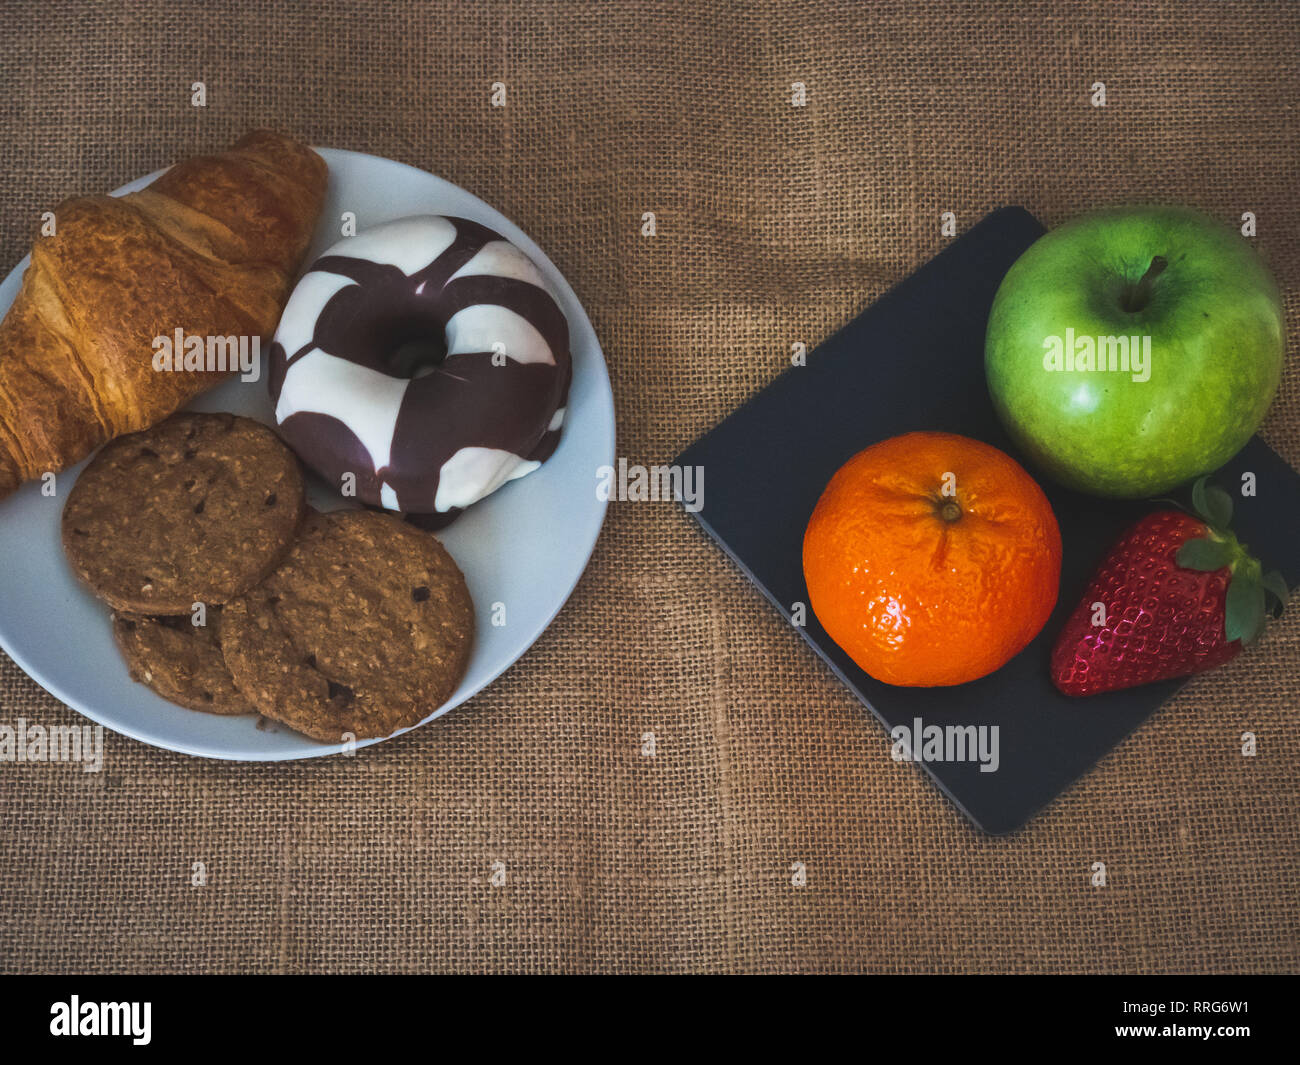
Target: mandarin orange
{"x": 932, "y": 559}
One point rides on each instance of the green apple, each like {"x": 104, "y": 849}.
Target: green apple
{"x": 1133, "y": 349}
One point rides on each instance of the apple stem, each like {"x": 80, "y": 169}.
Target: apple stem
{"x": 1136, "y": 296}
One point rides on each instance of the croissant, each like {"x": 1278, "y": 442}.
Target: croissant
{"x": 210, "y": 248}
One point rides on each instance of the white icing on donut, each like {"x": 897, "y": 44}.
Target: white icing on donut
{"x": 500, "y": 258}
{"x": 475, "y": 472}
{"x": 557, "y": 419}
{"x": 479, "y": 327}
{"x": 365, "y": 400}
{"x": 410, "y": 244}
{"x": 298, "y": 323}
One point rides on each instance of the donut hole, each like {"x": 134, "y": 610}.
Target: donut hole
{"x": 415, "y": 350}
{"x": 417, "y": 358}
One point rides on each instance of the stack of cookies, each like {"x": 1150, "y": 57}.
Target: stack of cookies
{"x": 230, "y": 596}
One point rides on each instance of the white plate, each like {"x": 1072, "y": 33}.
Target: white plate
{"x": 523, "y": 547}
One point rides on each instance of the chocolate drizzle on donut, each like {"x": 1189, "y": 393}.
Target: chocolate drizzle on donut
{"x": 395, "y": 324}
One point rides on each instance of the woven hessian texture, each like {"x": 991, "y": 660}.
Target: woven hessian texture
{"x": 776, "y": 224}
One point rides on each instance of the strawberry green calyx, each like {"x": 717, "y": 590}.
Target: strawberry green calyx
{"x": 1250, "y": 589}
{"x": 1212, "y": 504}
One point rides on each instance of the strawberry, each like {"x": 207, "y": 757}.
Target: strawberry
{"x": 1176, "y": 595}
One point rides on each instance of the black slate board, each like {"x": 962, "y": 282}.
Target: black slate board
{"x": 914, "y": 360}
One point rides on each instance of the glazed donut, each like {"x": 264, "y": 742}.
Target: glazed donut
{"x": 427, "y": 358}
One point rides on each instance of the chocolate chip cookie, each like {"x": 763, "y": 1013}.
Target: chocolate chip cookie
{"x": 197, "y": 509}
{"x": 365, "y": 628}
{"x": 180, "y": 661}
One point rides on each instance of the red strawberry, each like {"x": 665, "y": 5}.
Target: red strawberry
{"x": 1177, "y": 595}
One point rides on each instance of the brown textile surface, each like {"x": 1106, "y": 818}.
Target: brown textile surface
{"x": 775, "y": 224}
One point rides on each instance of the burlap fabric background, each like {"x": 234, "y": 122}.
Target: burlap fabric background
{"x": 775, "y": 224}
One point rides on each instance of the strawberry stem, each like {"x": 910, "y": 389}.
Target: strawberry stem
{"x": 1246, "y": 603}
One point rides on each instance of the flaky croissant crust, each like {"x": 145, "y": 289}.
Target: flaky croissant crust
{"x": 210, "y": 248}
